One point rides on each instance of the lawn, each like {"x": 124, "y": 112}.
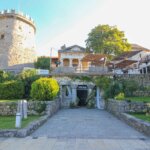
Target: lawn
{"x": 8, "y": 122}
{"x": 141, "y": 116}
{"x": 139, "y": 99}
{"x": 12, "y": 100}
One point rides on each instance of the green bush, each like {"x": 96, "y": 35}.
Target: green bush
{"x": 11, "y": 90}
{"x": 6, "y": 76}
{"x": 91, "y": 100}
{"x": 120, "y": 96}
{"x": 114, "y": 89}
{"x": 28, "y": 77}
{"x": 44, "y": 89}
{"x": 129, "y": 86}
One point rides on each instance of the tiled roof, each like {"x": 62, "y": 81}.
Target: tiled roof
{"x": 126, "y": 55}
{"x": 125, "y": 63}
{"x": 138, "y": 47}
{"x": 135, "y": 50}
{"x": 95, "y": 59}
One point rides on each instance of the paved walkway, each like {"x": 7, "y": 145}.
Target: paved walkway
{"x": 80, "y": 129}
{"x": 86, "y": 123}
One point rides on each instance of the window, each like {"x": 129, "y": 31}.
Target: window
{"x": 2, "y": 36}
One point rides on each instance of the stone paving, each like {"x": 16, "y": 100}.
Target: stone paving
{"x": 80, "y": 129}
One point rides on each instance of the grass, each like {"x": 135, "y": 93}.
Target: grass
{"x": 8, "y": 100}
{"x": 8, "y": 122}
{"x": 139, "y": 99}
{"x": 141, "y": 116}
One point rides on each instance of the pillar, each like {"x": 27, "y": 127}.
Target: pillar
{"x": 80, "y": 64}
{"x": 98, "y": 97}
{"x": 74, "y": 93}
{"x": 99, "y": 101}
{"x": 70, "y": 62}
{"x": 69, "y": 90}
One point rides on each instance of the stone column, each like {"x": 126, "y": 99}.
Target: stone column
{"x": 74, "y": 93}
{"x": 146, "y": 69}
{"x": 80, "y": 65}
{"x": 99, "y": 101}
{"x": 61, "y": 94}
{"x": 98, "y": 97}
{"x": 69, "y": 90}
{"x": 61, "y": 62}
{"x": 70, "y": 62}
{"x": 90, "y": 87}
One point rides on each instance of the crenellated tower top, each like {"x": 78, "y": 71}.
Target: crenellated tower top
{"x": 17, "y": 15}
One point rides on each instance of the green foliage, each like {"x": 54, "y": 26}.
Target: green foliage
{"x": 42, "y": 63}
{"x": 28, "y": 77}
{"x": 91, "y": 100}
{"x": 102, "y": 82}
{"x": 120, "y": 96}
{"x": 44, "y": 89}
{"x": 129, "y": 86}
{"x": 11, "y": 90}
{"x": 4, "y": 76}
{"x": 114, "y": 89}
{"x": 107, "y": 39}
{"x": 116, "y": 86}
{"x": 83, "y": 78}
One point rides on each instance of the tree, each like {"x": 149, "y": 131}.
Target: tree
{"x": 42, "y": 62}
{"x": 107, "y": 39}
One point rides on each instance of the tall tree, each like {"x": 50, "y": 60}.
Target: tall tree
{"x": 42, "y": 63}
{"x": 107, "y": 39}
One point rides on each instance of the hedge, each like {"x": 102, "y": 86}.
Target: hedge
{"x": 44, "y": 89}
{"x": 13, "y": 89}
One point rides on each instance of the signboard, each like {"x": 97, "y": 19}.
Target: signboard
{"x": 82, "y": 87}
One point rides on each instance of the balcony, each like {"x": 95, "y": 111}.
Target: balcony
{"x": 80, "y": 71}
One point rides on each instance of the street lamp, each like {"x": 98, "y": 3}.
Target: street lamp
{"x": 50, "y": 58}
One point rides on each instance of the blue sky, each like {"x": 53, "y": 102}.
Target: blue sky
{"x": 69, "y": 21}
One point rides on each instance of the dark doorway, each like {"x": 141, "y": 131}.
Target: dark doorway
{"x": 82, "y": 93}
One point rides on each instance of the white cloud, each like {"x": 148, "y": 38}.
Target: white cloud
{"x": 131, "y": 16}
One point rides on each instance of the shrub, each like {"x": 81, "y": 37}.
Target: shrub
{"x": 44, "y": 89}
{"x": 28, "y": 77}
{"x": 91, "y": 100}
{"x": 6, "y": 76}
{"x": 129, "y": 86}
{"x": 114, "y": 89}
{"x": 120, "y": 96}
{"x": 102, "y": 82}
{"x": 11, "y": 90}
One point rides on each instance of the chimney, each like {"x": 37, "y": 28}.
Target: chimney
{"x": 63, "y": 47}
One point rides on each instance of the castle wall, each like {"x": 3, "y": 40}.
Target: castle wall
{"x": 17, "y": 41}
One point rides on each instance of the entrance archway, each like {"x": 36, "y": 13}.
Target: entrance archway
{"x": 82, "y": 94}
{"x": 75, "y": 62}
{"x": 66, "y": 62}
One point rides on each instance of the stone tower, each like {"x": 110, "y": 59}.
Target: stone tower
{"x": 17, "y": 40}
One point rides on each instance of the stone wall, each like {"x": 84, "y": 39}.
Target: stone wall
{"x": 142, "y": 79}
{"x": 114, "y": 106}
{"x": 136, "y": 123}
{"x": 120, "y": 110}
{"x": 34, "y": 107}
{"x": 52, "y": 108}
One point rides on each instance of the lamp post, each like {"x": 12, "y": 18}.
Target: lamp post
{"x": 50, "y": 59}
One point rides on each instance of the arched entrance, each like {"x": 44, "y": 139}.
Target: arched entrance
{"x": 75, "y": 62}
{"x": 66, "y": 62}
{"x": 82, "y": 94}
